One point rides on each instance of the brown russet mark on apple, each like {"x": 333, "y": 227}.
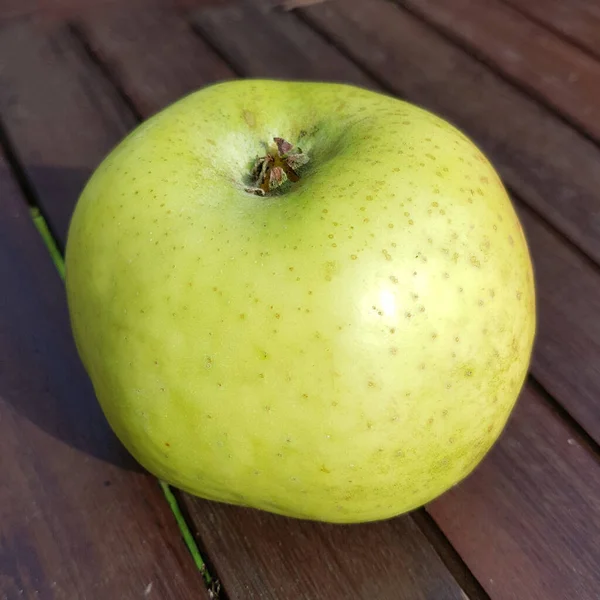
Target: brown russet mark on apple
{"x": 250, "y": 118}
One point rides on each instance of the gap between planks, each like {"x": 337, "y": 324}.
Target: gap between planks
{"x": 529, "y": 91}
{"x": 569, "y": 38}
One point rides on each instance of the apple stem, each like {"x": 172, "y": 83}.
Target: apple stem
{"x": 277, "y": 166}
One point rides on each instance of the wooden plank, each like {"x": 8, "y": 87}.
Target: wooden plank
{"x": 274, "y": 44}
{"x": 566, "y": 358}
{"x": 527, "y": 521}
{"x": 577, "y": 20}
{"x": 60, "y": 114}
{"x": 519, "y": 137}
{"x": 550, "y": 166}
{"x": 557, "y": 72}
{"x": 267, "y": 557}
{"x": 125, "y": 37}
{"x": 78, "y": 518}
{"x": 64, "y": 9}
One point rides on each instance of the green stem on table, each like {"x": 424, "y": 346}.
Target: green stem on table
{"x": 213, "y": 585}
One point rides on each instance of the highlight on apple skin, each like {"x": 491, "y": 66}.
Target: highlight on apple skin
{"x": 302, "y": 297}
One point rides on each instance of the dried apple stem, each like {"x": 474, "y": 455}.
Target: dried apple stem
{"x": 278, "y": 165}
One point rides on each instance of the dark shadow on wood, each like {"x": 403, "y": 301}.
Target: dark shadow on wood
{"x": 64, "y": 404}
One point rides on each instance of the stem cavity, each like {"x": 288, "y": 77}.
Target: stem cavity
{"x": 280, "y": 164}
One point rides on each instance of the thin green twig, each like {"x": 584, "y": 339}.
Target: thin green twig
{"x": 190, "y": 542}
{"x": 44, "y": 230}
{"x": 213, "y": 585}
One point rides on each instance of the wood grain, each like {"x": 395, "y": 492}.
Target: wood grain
{"x": 152, "y": 52}
{"x": 562, "y": 75}
{"x": 262, "y": 43}
{"x": 78, "y": 518}
{"x": 61, "y": 115}
{"x": 548, "y": 164}
{"x": 64, "y": 9}
{"x": 566, "y": 358}
{"x": 528, "y": 520}
{"x": 267, "y": 557}
{"x": 577, "y": 20}
{"x": 431, "y": 72}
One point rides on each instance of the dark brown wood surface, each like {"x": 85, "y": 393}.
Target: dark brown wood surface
{"x": 125, "y": 37}
{"x": 274, "y": 44}
{"x": 560, "y": 74}
{"x": 78, "y": 517}
{"x": 442, "y": 78}
{"x": 67, "y": 9}
{"x": 60, "y": 113}
{"x": 262, "y": 556}
{"x": 566, "y": 358}
{"x": 524, "y": 525}
{"x": 577, "y": 20}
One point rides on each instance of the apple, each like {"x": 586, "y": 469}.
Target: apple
{"x": 307, "y": 298}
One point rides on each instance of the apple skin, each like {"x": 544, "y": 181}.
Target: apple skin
{"x": 345, "y": 349}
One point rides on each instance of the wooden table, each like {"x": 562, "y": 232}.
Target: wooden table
{"x": 80, "y": 520}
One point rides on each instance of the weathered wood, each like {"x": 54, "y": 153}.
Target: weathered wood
{"x": 267, "y": 557}
{"x": 66, "y": 9}
{"x": 552, "y": 167}
{"x": 61, "y": 115}
{"x": 557, "y": 72}
{"x": 519, "y": 137}
{"x": 528, "y": 520}
{"x": 566, "y": 358}
{"x": 262, "y": 43}
{"x": 78, "y": 518}
{"x": 152, "y": 52}
{"x": 577, "y": 20}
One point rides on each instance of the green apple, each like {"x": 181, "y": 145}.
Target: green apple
{"x": 307, "y": 298}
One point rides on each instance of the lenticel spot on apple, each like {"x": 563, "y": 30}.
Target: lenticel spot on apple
{"x": 306, "y": 298}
